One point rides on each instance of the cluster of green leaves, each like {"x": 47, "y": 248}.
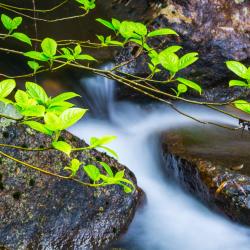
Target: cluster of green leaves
{"x": 49, "y": 54}
{"x": 168, "y": 59}
{"x": 95, "y": 175}
{"x": 244, "y": 73}
{"x": 87, "y": 5}
{"x": 50, "y": 116}
{"x": 171, "y": 62}
{"x": 133, "y": 31}
{"x": 11, "y": 25}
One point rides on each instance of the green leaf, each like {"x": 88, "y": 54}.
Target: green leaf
{"x": 106, "y": 23}
{"x": 34, "y": 65}
{"x": 190, "y": 84}
{"x": 238, "y": 68}
{"x": 182, "y": 88}
{"x": 21, "y": 98}
{"x": 49, "y": 47}
{"x": 36, "y": 92}
{"x": 162, "y": 32}
{"x": 107, "y": 168}
{"x": 38, "y": 127}
{"x": 53, "y": 122}
{"x": 6, "y": 87}
{"x": 22, "y": 37}
{"x": 171, "y": 49}
{"x": 77, "y": 50}
{"x": 187, "y": 60}
{"x": 35, "y": 111}
{"x": 112, "y": 152}
{"x": 233, "y": 83}
{"x": 85, "y": 57}
{"x": 71, "y": 116}
{"x": 87, "y": 4}
{"x": 36, "y": 56}
{"x": 6, "y": 21}
{"x": 242, "y": 105}
{"x": 119, "y": 175}
{"x": 116, "y": 23}
{"x": 63, "y": 97}
{"x": 74, "y": 166}
{"x": 16, "y": 22}
{"x": 169, "y": 61}
{"x": 127, "y": 29}
{"x": 140, "y": 29}
{"x": 127, "y": 189}
{"x": 62, "y": 146}
{"x": 93, "y": 172}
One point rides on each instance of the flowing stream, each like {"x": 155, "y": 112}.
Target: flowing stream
{"x": 171, "y": 219}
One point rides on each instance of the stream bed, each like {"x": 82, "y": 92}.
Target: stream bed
{"x": 170, "y": 218}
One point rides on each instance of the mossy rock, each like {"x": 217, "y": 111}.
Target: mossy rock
{"x": 38, "y": 211}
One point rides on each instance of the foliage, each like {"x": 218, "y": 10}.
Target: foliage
{"x": 51, "y": 116}
{"x": 244, "y": 73}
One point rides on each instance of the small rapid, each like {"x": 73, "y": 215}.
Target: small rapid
{"x": 171, "y": 219}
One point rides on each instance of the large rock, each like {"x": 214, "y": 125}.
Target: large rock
{"x": 214, "y": 166}
{"x": 38, "y": 211}
{"x": 218, "y": 29}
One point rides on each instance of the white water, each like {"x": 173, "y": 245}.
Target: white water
{"x": 171, "y": 219}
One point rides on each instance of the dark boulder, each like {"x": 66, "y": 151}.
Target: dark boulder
{"x": 38, "y": 211}
{"x": 214, "y": 166}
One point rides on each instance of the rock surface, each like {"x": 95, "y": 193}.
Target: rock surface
{"x": 212, "y": 165}
{"x": 218, "y": 29}
{"x": 38, "y": 211}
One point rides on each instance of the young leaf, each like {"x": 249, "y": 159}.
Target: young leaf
{"x": 93, "y": 172}
{"x": 233, "y": 83}
{"x": 77, "y": 50}
{"x": 116, "y": 23}
{"x": 169, "y": 61}
{"x": 107, "y": 168}
{"x": 119, "y": 175}
{"x": 36, "y": 92}
{"x": 21, "y": 98}
{"x": 182, "y": 88}
{"x": 140, "y": 29}
{"x": 187, "y": 60}
{"x": 85, "y": 57}
{"x": 127, "y": 30}
{"x": 49, "y": 47}
{"x": 74, "y": 166}
{"x": 106, "y": 23}
{"x": 238, "y": 68}
{"x": 6, "y": 87}
{"x": 34, "y": 65}
{"x": 33, "y": 111}
{"x": 171, "y": 49}
{"x": 16, "y": 22}
{"x": 22, "y": 37}
{"x": 62, "y": 146}
{"x": 242, "y": 105}
{"x": 64, "y": 97}
{"x": 109, "y": 150}
{"x": 36, "y": 56}
{"x": 71, "y": 116}
{"x": 7, "y": 22}
{"x": 190, "y": 84}
{"x": 38, "y": 127}
{"x": 53, "y": 122}
{"x": 162, "y": 32}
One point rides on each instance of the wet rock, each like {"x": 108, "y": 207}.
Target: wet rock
{"x": 38, "y": 211}
{"x": 214, "y": 166}
{"x": 219, "y": 30}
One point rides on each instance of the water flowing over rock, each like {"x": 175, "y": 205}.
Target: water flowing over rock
{"x": 213, "y": 167}
{"x": 219, "y": 30}
{"x": 38, "y": 211}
